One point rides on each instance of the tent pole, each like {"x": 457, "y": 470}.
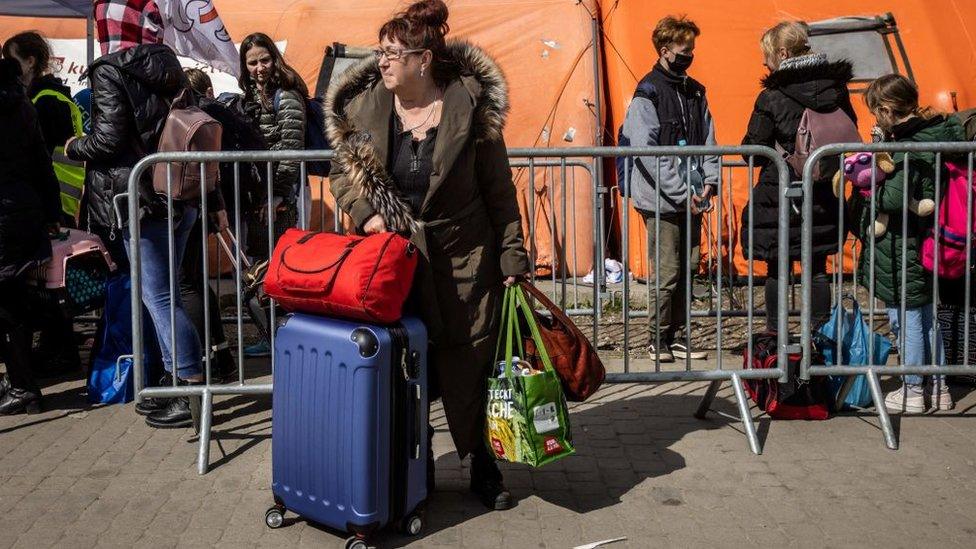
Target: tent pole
{"x": 598, "y": 141}
{"x": 90, "y": 37}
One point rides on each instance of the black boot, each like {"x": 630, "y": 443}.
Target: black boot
{"x": 4, "y": 385}
{"x": 15, "y": 401}
{"x": 486, "y": 481}
{"x": 151, "y": 405}
{"x": 177, "y": 413}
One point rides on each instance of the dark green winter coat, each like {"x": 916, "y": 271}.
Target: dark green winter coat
{"x": 890, "y": 200}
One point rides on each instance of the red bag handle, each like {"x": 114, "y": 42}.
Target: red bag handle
{"x": 342, "y": 256}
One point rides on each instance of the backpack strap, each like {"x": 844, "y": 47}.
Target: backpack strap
{"x": 277, "y": 101}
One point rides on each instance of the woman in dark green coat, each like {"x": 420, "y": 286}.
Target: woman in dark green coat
{"x": 419, "y": 150}
{"x": 893, "y": 100}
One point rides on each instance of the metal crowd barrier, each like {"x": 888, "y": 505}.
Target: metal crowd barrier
{"x": 567, "y": 160}
{"x": 963, "y": 154}
{"x": 564, "y": 157}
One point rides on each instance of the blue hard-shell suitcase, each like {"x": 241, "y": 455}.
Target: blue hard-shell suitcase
{"x": 349, "y": 427}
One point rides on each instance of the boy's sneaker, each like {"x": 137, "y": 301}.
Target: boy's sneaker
{"x": 663, "y": 356}
{"x": 258, "y": 350}
{"x": 941, "y": 399}
{"x": 907, "y": 399}
{"x": 681, "y": 352}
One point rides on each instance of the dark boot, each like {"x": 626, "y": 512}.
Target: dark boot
{"x": 152, "y": 405}
{"x": 15, "y": 401}
{"x": 486, "y": 481}
{"x": 4, "y": 385}
{"x": 177, "y": 413}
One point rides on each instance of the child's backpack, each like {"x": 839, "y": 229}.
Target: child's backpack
{"x": 952, "y": 228}
{"x": 817, "y": 129}
{"x": 314, "y": 134}
{"x": 794, "y": 399}
{"x": 187, "y": 128}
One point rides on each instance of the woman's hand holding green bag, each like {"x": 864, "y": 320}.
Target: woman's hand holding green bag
{"x": 528, "y": 421}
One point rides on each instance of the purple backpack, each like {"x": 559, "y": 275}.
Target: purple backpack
{"x": 816, "y": 130}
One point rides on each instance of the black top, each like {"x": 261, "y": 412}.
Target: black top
{"x": 53, "y": 115}
{"x": 411, "y": 163}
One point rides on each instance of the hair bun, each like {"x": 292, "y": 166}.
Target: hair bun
{"x": 429, "y": 12}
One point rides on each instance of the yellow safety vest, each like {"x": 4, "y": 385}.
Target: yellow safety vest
{"x": 70, "y": 173}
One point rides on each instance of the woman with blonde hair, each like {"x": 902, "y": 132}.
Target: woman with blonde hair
{"x": 798, "y": 79}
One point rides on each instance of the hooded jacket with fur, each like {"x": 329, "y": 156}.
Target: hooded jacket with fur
{"x": 468, "y": 229}
{"x": 800, "y": 83}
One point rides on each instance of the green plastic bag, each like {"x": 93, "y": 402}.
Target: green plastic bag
{"x": 528, "y": 421}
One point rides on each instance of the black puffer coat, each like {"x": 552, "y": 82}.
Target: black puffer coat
{"x": 130, "y": 94}
{"x": 803, "y": 82}
{"x": 28, "y": 188}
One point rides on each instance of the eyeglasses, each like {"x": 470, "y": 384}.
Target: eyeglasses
{"x": 393, "y": 55}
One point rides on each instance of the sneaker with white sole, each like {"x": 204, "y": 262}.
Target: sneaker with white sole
{"x": 681, "y": 352}
{"x": 663, "y": 356}
{"x": 905, "y": 399}
{"x": 941, "y": 399}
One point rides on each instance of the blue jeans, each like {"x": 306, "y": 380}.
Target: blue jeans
{"x": 154, "y": 259}
{"x": 919, "y": 330}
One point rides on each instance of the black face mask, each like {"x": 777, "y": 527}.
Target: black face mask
{"x": 681, "y": 63}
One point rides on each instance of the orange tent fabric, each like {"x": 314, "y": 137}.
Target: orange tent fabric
{"x": 541, "y": 45}
{"x": 939, "y": 36}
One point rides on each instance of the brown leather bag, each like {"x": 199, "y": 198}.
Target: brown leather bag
{"x": 575, "y": 360}
{"x": 187, "y": 128}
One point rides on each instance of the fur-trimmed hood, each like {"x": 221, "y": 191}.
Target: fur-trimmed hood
{"x": 469, "y": 61}
{"x": 812, "y": 80}
{"x": 357, "y": 115}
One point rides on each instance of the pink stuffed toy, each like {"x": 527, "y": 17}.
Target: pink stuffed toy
{"x": 857, "y": 170}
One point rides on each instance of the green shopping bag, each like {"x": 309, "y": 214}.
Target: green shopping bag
{"x": 528, "y": 421}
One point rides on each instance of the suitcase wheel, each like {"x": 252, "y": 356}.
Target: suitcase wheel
{"x": 412, "y": 525}
{"x": 356, "y": 543}
{"x": 275, "y": 516}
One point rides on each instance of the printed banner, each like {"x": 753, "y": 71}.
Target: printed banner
{"x": 194, "y": 29}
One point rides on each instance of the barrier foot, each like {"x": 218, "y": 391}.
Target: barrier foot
{"x": 748, "y": 425}
{"x": 706, "y": 401}
{"x": 879, "y": 405}
{"x": 206, "y": 417}
{"x": 845, "y": 389}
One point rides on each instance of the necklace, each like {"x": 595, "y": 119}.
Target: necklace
{"x": 430, "y": 113}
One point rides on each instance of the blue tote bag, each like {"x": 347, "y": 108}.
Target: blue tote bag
{"x": 110, "y": 378}
{"x": 854, "y": 333}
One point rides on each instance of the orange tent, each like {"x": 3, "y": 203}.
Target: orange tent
{"x": 541, "y": 45}
{"x": 939, "y": 36}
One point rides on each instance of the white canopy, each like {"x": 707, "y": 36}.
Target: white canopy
{"x": 46, "y": 8}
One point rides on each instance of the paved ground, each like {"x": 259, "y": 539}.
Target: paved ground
{"x": 78, "y": 477}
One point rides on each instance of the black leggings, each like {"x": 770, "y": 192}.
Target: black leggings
{"x": 192, "y": 287}
{"x": 820, "y": 294}
{"x": 15, "y": 334}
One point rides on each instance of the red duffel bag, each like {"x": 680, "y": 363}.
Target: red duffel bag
{"x": 357, "y": 277}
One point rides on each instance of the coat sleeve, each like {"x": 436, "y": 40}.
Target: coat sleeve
{"x": 920, "y": 183}
{"x": 710, "y": 164}
{"x": 111, "y": 130}
{"x": 347, "y": 196}
{"x": 46, "y": 182}
{"x": 55, "y": 119}
{"x": 290, "y": 119}
{"x": 761, "y": 129}
{"x": 643, "y": 127}
{"x": 498, "y": 192}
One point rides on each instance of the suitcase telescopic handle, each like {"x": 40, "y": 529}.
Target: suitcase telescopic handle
{"x": 417, "y": 401}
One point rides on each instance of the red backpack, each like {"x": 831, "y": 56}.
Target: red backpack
{"x": 953, "y": 231}
{"x": 794, "y": 399}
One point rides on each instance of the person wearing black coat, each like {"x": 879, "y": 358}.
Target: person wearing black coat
{"x": 29, "y": 213}
{"x": 798, "y": 80}
{"x": 131, "y": 94}
{"x": 57, "y": 350}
